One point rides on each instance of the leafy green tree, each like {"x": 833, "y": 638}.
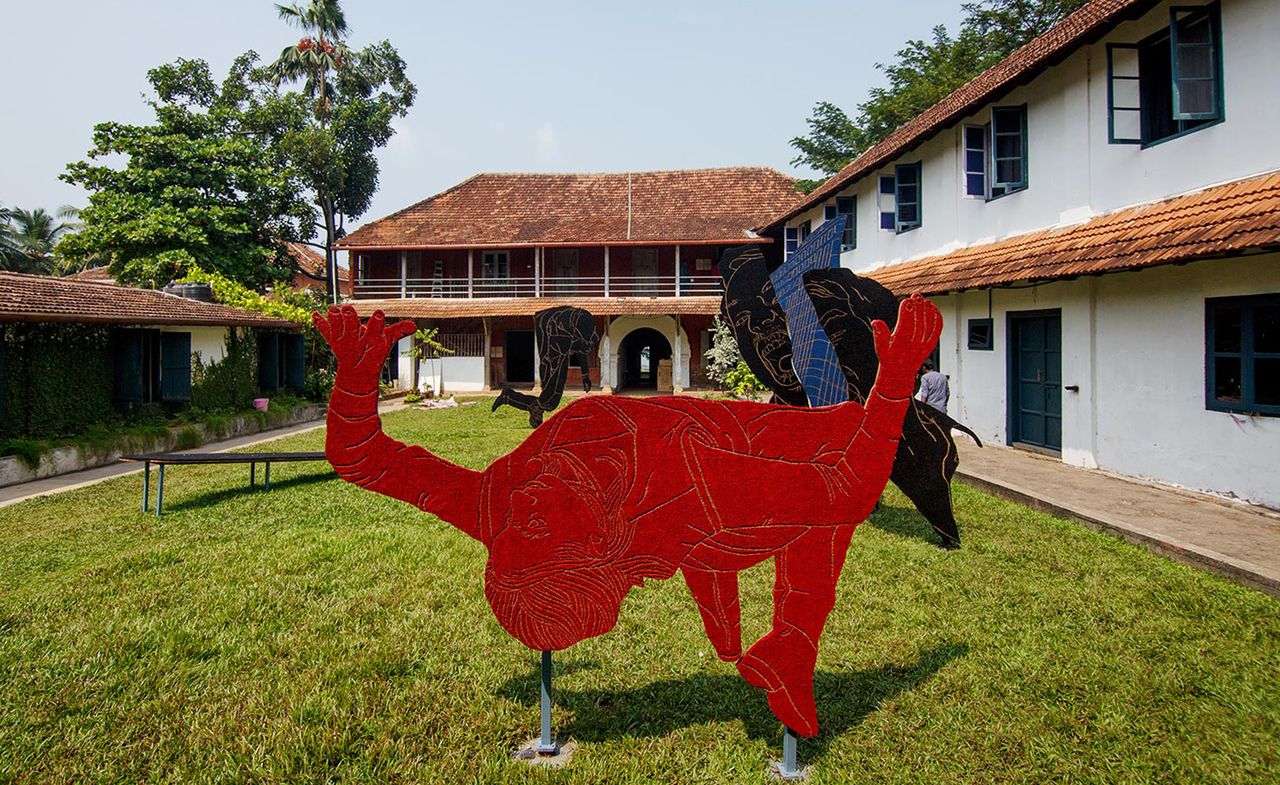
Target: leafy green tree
{"x": 354, "y": 95}
{"x": 207, "y": 184}
{"x": 28, "y": 237}
{"x": 923, "y": 73}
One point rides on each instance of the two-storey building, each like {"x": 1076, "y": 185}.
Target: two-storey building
{"x": 640, "y": 251}
{"x": 1098, "y": 217}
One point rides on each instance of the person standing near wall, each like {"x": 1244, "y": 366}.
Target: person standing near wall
{"x": 934, "y": 389}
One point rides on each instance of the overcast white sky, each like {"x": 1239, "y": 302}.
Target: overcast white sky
{"x": 546, "y": 86}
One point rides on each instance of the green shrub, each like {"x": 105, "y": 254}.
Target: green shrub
{"x": 188, "y": 438}
{"x": 58, "y": 380}
{"x": 230, "y": 384}
{"x": 27, "y": 450}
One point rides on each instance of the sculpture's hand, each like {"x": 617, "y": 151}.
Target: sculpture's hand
{"x": 360, "y": 350}
{"x": 903, "y": 352}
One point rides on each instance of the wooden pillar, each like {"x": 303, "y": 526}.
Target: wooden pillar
{"x": 470, "y": 272}
{"x": 677, "y": 292}
{"x": 488, "y": 339}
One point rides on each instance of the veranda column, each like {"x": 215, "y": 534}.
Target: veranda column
{"x": 606, "y": 277}
{"x": 537, "y": 373}
{"x": 677, "y": 284}
{"x": 488, "y": 338}
{"x": 470, "y": 273}
{"x": 677, "y": 356}
{"x": 537, "y": 292}
{"x": 404, "y": 274}
{"x": 606, "y": 363}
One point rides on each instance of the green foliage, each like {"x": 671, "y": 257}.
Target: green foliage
{"x": 230, "y": 384}
{"x": 319, "y": 384}
{"x": 28, "y": 237}
{"x": 426, "y": 346}
{"x": 743, "y": 383}
{"x": 354, "y": 95}
{"x": 28, "y": 451}
{"x": 58, "y": 380}
{"x": 284, "y": 303}
{"x": 187, "y": 438}
{"x": 922, "y": 74}
{"x": 205, "y": 184}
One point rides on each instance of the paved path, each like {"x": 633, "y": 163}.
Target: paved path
{"x": 13, "y": 494}
{"x": 1237, "y": 540}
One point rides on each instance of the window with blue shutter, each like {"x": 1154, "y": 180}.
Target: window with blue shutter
{"x": 1008, "y": 149}
{"x": 887, "y": 203}
{"x": 126, "y": 350}
{"x": 791, "y": 241}
{"x": 1193, "y": 42}
{"x": 907, "y": 196}
{"x": 175, "y": 366}
{"x": 848, "y": 207}
{"x": 975, "y": 161}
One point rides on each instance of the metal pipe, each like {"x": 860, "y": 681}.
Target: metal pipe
{"x": 160, "y": 493}
{"x": 546, "y": 744}
{"x": 146, "y": 485}
{"x": 788, "y": 769}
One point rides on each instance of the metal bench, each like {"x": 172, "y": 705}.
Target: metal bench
{"x": 163, "y": 459}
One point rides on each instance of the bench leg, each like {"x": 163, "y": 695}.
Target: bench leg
{"x": 253, "y": 469}
{"x": 160, "y": 493}
{"x": 146, "y": 485}
{"x": 266, "y": 477}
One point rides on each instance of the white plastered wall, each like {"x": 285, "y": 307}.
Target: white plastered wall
{"x": 622, "y": 326}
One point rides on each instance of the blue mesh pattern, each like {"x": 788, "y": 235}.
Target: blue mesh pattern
{"x": 812, "y": 354}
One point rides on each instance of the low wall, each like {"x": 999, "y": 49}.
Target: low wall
{"x": 63, "y": 460}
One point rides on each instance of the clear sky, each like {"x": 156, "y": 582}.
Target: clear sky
{"x": 512, "y": 86}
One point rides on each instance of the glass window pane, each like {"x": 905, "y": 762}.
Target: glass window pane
{"x": 1226, "y": 379}
{"x": 1125, "y": 93}
{"x": 908, "y": 214}
{"x": 1266, "y": 382}
{"x": 1009, "y": 171}
{"x": 1266, "y": 328}
{"x": 1226, "y": 327}
{"x": 907, "y": 193}
{"x": 975, "y": 185}
{"x": 1128, "y": 124}
{"x": 974, "y": 161}
{"x": 908, "y": 175}
{"x": 1195, "y": 62}
{"x": 844, "y": 204}
{"x": 886, "y": 185}
{"x": 1008, "y": 146}
{"x": 887, "y": 220}
{"x": 1197, "y": 97}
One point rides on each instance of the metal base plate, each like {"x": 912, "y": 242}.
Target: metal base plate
{"x": 775, "y": 769}
{"x": 528, "y": 752}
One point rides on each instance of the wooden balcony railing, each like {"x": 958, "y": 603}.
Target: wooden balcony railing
{"x": 580, "y": 286}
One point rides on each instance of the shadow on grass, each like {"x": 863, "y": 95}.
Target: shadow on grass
{"x": 844, "y": 699}
{"x": 217, "y": 497}
{"x": 905, "y": 522}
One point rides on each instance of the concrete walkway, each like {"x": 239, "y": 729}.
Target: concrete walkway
{"x": 1237, "y": 540}
{"x": 13, "y": 494}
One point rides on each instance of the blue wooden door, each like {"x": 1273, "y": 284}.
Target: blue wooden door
{"x": 1035, "y": 379}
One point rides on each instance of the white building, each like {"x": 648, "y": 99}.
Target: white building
{"x": 1098, "y": 217}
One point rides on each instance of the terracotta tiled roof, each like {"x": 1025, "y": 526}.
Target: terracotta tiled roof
{"x": 692, "y": 205}
{"x": 311, "y": 260}
{"x": 100, "y": 274}
{"x": 1086, "y": 25}
{"x": 445, "y": 308}
{"x": 1219, "y": 221}
{"x": 40, "y": 298}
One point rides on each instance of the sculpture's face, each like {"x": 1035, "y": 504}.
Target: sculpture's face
{"x": 552, "y": 577}
{"x": 752, "y": 308}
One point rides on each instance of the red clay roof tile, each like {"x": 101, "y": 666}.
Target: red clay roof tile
{"x": 692, "y": 205}
{"x": 1219, "y": 221}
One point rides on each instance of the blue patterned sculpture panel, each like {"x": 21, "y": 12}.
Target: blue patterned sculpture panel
{"x": 813, "y": 356}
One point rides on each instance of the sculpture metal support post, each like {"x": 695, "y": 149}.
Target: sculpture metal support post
{"x": 789, "y": 769}
{"x": 546, "y": 744}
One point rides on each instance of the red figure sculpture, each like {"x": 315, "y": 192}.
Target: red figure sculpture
{"x": 613, "y": 491}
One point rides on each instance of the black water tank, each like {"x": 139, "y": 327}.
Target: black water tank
{"x": 191, "y": 291}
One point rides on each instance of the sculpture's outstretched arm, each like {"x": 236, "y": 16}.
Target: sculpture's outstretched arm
{"x": 901, "y": 354}
{"x": 355, "y": 443}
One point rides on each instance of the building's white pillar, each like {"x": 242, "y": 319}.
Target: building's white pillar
{"x": 488, "y": 339}
{"x": 537, "y": 370}
{"x": 404, "y": 274}
{"x": 677, "y": 356}
{"x": 537, "y": 292}
{"x": 677, "y": 290}
{"x": 471, "y": 276}
{"x": 606, "y": 282}
{"x": 606, "y": 360}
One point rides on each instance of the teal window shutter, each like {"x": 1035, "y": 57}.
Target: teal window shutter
{"x": 295, "y": 361}
{"x": 1197, "y": 68}
{"x": 1124, "y": 94}
{"x": 268, "y": 362}
{"x": 1009, "y": 147}
{"x": 907, "y": 198}
{"x": 175, "y": 366}
{"x": 848, "y": 207}
{"x": 126, "y": 350}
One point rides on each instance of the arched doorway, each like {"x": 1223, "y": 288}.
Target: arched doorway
{"x": 638, "y": 358}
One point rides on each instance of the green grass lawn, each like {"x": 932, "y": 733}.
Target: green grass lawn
{"x": 320, "y": 633}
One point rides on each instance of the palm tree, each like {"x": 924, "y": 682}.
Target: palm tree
{"x": 32, "y": 234}
{"x": 321, "y": 51}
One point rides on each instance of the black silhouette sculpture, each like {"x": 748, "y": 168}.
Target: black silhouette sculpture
{"x": 755, "y": 317}
{"x": 926, "y": 459}
{"x": 564, "y": 334}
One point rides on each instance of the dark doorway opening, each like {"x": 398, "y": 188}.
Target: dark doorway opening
{"x": 518, "y": 351}
{"x": 1035, "y": 379}
{"x": 639, "y": 355}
